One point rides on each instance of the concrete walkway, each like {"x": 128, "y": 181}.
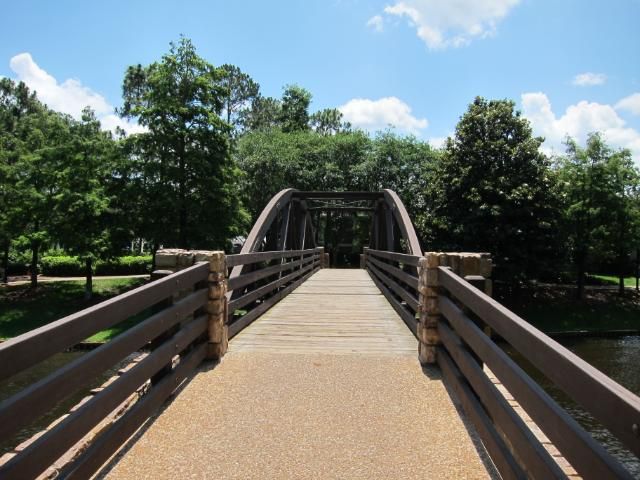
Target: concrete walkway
{"x": 322, "y": 409}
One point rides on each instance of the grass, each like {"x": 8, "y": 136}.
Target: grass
{"x": 555, "y": 309}
{"x": 22, "y": 310}
{"x": 609, "y": 279}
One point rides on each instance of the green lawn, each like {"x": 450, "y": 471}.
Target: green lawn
{"x": 628, "y": 281}
{"x": 557, "y": 310}
{"x": 22, "y": 310}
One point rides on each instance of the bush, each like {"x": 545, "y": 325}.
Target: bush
{"x": 61, "y": 266}
{"x": 128, "y": 265}
{"x": 65, "y": 266}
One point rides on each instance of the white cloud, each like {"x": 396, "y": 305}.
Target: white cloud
{"x": 379, "y": 114}
{"x": 630, "y": 103}
{"x": 589, "y": 79}
{"x": 578, "y": 121}
{"x": 438, "y": 142}
{"x": 376, "y": 23}
{"x": 69, "y": 96}
{"x": 452, "y": 23}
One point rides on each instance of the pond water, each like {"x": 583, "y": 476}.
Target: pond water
{"x": 23, "y": 379}
{"x": 617, "y": 357}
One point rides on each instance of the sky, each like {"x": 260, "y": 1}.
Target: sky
{"x": 571, "y": 66}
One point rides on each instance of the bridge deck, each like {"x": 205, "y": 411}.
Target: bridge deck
{"x": 325, "y": 385}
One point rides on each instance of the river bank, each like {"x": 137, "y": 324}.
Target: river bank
{"x": 555, "y": 310}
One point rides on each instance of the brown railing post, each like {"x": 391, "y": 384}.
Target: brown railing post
{"x": 326, "y": 260}
{"x": 217, "y": 306}
{"x": 429, "y": 311}
{"x": 363, "y": 259}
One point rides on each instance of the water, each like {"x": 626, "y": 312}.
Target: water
{"x": 618, "y": 358}
{"x": 25, "y": 378}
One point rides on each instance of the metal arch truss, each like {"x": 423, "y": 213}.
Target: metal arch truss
{"x": 287, "y": 222}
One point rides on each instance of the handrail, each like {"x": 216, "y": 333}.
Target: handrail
{"x": 258, "y": 290}
{"x": 32, "y": 347}
{"x": 596, "y": 392}
{"x": 176, "y": 329}
{"x": 400, "y": 287}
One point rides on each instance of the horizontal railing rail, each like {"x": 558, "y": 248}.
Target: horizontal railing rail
{"x": 396, "y": 275}
{"x": 273, "y": 276}
{"x": 32, "y": 347}
{"x": 176, "y": 334}
{"x": 465, "y": 347}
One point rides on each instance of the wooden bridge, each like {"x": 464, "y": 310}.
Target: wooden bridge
{"x": 278, "y": 367}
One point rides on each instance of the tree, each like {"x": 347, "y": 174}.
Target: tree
{"x": 184, "y": 159}
{"x": 493, "y": 191}
{"x": 82, "y": 203}
{"x": 599, "y": 188}
{"x": 16, "y": 104}
{"x": 294, "y": 115}
{"x": 263, "y": 115}
{"x": 329, "y": 122}
{"x": 240, "y": 92}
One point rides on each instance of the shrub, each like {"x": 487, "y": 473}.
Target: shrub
{"x": 128, "y": 265}
{"x": 65, "y": 266}
{"x": 61, "y": 266}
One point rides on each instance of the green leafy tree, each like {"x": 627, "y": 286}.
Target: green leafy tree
{"x": 190, "y": 182}
{"x": 17, "y": 102}
{"x": 294, "y": 115}
{"x": 240, "y": 92}
{"x": 600, "y": 188}
{"x": 493, "y": 191}
{"x": 263, "y": 115}
{"x": 329, "y": 122}
{"x": 82, "y": 203}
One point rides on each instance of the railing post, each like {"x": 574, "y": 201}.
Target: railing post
{"x": 363, "y": 258}
{"x": 428, "y": 287}
{"x": 326, "y": 261}
{"x": 217, "y": 306}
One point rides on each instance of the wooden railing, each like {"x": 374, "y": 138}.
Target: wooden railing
{"x": 396, "y": 275}
{"x": 178, "y": 335}
{"x": 274, "y": 275}
{"x": 458, "y": 314}
{"x": 183, "y": 318}
{"x": 513, "y": 447}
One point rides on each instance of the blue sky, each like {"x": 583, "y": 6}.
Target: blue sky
{"x": 571, "y": 66}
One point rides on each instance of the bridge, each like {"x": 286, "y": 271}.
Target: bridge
{"x": 269, "y": 363}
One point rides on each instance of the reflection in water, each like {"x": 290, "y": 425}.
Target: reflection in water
{"x": 618, "y": 358}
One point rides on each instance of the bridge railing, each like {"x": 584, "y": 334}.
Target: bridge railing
{"x": 396, "y": 275}
{"x": 189, "y": 319}
{"x": 462, "y": 311}
{"x": 177, "y": 333}
{"x": 274, "y": 275}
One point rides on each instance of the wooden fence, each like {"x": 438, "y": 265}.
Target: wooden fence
{"x": 177, "y": 335}
{"x": 460, "y": 313}
{"x": 396, "y": 275}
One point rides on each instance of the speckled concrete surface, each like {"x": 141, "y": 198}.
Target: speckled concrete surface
{"x": 274, "y": 416}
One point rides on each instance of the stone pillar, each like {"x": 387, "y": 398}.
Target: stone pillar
{"x": 326, "y": 261}
{"x": 217, "y": 306}
{"x": 429, "y": 290}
